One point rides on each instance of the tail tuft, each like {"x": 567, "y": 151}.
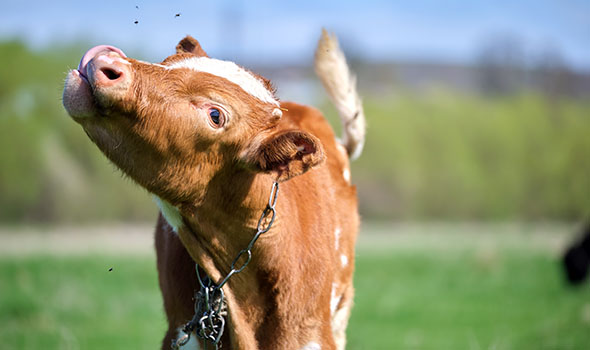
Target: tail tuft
{"x": 340, "y": 83}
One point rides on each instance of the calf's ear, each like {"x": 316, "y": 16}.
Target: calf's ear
{"x": 190, "y": 45}
{"x": 285, "y": 154}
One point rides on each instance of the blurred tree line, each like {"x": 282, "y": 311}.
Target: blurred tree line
{"x": 447, "y": 156}
{"x": 439, "y": 154}
{"x": 49, "y": 171}
{"x": 506, "y": 67}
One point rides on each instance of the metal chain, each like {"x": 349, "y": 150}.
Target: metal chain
{"x": 210, "y": 308}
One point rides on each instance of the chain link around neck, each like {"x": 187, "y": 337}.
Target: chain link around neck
{"x": 208, "y": 323}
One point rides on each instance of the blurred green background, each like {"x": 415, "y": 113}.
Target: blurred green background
{"x": 500, "y": 150}
{"x": 473, "y": 181}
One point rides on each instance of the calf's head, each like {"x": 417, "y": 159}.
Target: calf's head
{"x": 173, "y": 126}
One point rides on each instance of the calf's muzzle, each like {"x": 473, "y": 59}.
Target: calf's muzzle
{"x": 104, "y": 76}
{"x": 106, "y": 69}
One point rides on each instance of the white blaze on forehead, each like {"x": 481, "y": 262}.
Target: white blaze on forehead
{"x": 230, "y": 71}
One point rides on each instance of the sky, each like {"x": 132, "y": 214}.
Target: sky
{"x": 273, "y": 31}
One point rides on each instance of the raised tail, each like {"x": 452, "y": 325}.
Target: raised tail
{"x": 340, "y": 83}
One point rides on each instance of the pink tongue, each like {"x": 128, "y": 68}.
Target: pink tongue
{"x": 89, "y": 55}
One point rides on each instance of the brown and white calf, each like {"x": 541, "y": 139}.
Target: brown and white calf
{"x": 208, "y": 138}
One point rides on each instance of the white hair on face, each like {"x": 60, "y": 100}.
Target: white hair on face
{"x": 230, "y": 71}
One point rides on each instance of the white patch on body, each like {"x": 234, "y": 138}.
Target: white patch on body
{"x": 335, "y": 299}
{"x": 344, "y": 260}
{"x": 312, "y": 346}
{"x": 341, "y": 148}
{"x": 337, "y": 233}
{"x": 230, "y": 71}
{"x": 170, "y": 213}
{"x": 339, "y": 323}
{"x": 192, "y": 344}
{"x": 346, "y": 175}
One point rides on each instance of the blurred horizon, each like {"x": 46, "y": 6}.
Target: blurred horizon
{"x": 475, "y": 111}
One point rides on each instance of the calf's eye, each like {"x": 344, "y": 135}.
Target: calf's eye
{"x": 216, "y": 117}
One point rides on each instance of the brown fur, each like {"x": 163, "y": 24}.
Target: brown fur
{"x": 157, "y": 132}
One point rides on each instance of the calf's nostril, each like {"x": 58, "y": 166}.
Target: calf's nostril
{"x": 111, "y": 73}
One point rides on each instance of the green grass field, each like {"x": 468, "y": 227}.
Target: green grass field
{"x": 416, "y": 289}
